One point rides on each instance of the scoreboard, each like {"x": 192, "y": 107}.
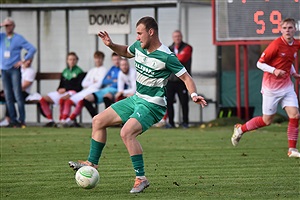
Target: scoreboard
{"x": 252, "y": 20}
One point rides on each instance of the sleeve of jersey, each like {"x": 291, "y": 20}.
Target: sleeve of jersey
{"x": 268, "y": 53}
{"x": 131, "y": 48}
{"x": 175, "y": 66}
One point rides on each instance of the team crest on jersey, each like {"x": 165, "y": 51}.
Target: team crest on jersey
{"x": 295, "y": 54}
{"x": 282, "y": 54}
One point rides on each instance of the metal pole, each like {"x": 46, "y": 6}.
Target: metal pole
{"x": 38, "y": 84}
{"x": 246, "y": 94}
{"x": 238, "y": 80}
{"x": 67, "y": 32}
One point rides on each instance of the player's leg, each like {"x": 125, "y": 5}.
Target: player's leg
{"x": 100, "y": 122}
{"x": 290, "y": 105}
{"x": 144, "y": 116}
{"x": 269, "y": 107}
{"x": 131, "y": 129}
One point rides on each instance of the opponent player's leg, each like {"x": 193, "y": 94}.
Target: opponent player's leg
{"x": 269, "y": 107}
{"x": 290, "y": 105}
{"x": 100, "y": 122}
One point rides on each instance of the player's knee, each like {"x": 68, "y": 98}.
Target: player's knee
{"x": 97, "y": 122}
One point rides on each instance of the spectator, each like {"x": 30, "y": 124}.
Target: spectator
{"x": 28, "y": 77}
{"x": 70, "y": 83}
{"x": 108, "y": 88}
{"x": 126, "y": 80}
{"x": 183, "y": 52}
{"x": 91, "y": 83}
{"x": 11, "y": 45}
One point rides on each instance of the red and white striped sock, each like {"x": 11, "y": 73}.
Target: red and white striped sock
{"x": 292, "y": 132}
{"x": 252, "y": 124}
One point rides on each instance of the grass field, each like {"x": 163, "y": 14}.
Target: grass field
{"x": 180, "y": 164}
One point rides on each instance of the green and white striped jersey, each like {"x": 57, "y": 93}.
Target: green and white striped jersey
{"x": 153, "y": 69}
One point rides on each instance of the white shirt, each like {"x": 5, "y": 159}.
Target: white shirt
{"x": 28, "y": 74}
{"x": 127, "y": 79}
{"x": 94, "y": 77}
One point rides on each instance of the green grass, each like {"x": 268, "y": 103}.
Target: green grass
{"x": 180, "y": 164}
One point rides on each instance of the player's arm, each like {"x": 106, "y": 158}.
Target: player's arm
{"x": 191, "y": 87}
{"x": 119, "y": 49}
{"x": 267, "y": 68}
{"x": 294, "y": 73}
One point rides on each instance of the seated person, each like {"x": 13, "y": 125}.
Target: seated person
{"x": 70, "y": 83}
{"x": 28, "y": 77}
{"x": 126, "y": 80}
{"x": 91, "y": 83}
{"x": 108, "y": 88}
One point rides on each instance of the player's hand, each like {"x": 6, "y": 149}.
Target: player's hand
{"x": 296, "y": 76}
{"x": 279, "y": 72}
{"x": 199, "y": 100}
{"x": 105, "y": 38}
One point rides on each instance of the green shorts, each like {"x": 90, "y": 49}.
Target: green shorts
{"x": 145, "y": 112}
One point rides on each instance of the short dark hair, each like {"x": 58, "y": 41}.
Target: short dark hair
{"x": 149, "y": 23}
{"x": 72, "y": 54}
{"x": 114, "y": 54}
{"x": 99, "y": 54}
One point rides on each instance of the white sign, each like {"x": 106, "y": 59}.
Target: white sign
{"x": 116, "y": 21}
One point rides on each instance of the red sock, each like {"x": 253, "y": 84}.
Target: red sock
{"x": 67, "y": 108}
{"x": 165, "y": 116}
{"x": 252, "y": 124}
{"x": 77, "y": 110}
{"x": 292, "y": 132}
{"x": 61, "y": 107}
{"x": 46, "y": 109}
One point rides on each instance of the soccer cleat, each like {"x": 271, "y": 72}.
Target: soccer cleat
{"x": 236, "y": 136}
{"x": 139, "y": 185}
{"x": 77, "y": 165}
{"x": 50, "y": 124}
{"x": 293, "y": 153}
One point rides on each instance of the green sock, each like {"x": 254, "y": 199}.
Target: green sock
{"x": 138, "y": 164}
{"x": 95, "y": 151}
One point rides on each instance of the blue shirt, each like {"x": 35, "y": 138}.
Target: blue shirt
{"x": 111, "y": 78}
{"x": 13, "y": 45}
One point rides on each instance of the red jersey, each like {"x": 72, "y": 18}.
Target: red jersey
{"x": 281, "y": 55}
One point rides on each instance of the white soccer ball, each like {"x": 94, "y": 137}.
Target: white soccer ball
{"x": 87, "y": 177}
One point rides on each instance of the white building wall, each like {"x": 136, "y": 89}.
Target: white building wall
{"x": 196, "y": 28}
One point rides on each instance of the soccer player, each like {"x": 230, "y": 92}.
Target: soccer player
{"x": 154, "y": 63}
{"x": 277, "y": 63}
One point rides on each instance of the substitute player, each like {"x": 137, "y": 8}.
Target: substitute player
{"x": 277, "y": 63}
{"x": 154, "y": 63}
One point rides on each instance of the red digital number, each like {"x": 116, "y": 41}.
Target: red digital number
{"x": 275, "y": 18}
{"x": 258, "y": 21}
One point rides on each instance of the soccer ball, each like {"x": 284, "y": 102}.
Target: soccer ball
{"x": 87, "y": 177}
